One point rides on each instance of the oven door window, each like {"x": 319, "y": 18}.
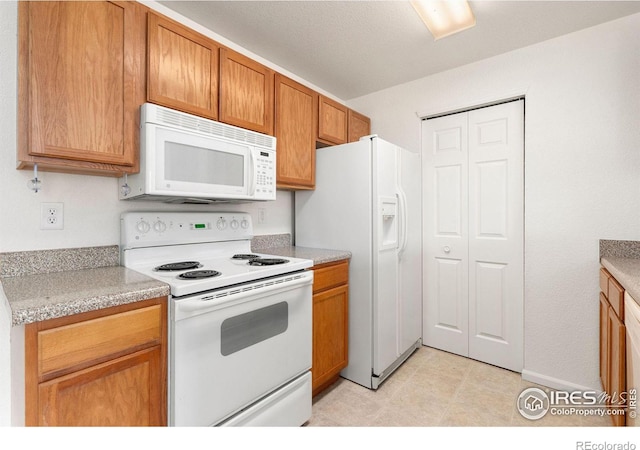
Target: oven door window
{"x": 244, "y": 330}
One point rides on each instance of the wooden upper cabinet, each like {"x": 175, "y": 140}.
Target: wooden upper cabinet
{"x": 80, "y": 85}
{"x": 332, "y": 121}
{"x": 246, "y": 92}
{"x": 182, "y": 68}
{"x": 358, "y": 125}
{"x": 295, "y": 130}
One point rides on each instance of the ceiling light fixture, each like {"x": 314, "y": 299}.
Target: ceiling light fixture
{"x": 445, "y": 17}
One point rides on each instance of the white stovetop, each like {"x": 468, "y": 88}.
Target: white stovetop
{"x": 212, "y": 257}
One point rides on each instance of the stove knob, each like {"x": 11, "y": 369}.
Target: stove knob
{"x": 234, "y": 224}
{"x": 244, "y": 224}
{"x": 143, "y": 226}
{"x": 160, "y": 226}
{"x": 221, "y": 223}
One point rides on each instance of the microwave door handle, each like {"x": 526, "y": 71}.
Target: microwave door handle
{"x": 253, "y": 174}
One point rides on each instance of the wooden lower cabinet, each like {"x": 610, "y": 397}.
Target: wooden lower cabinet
{"x": 617, "y": 364}
{"x": 330, "y": 323}
{"x": 612, "y": 343}
{"x": 102, "y": 368}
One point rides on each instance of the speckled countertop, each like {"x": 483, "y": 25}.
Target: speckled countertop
{"x": 47, "y": 284}
{"x": 280, "y": 245}
{"x": 317, "y": 255}
{"x": 34, "y": 298}
{"x": 627, "y": 272}
{"x": 622, "y": 260}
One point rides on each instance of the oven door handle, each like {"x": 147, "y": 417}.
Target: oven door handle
{"x": 230, "y": 297}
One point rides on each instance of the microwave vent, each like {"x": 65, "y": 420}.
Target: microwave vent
{"x": 212, "y": 128}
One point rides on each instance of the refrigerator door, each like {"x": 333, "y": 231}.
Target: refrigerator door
{"x": 410, "y": 253}
{"x": 386, "y": 240}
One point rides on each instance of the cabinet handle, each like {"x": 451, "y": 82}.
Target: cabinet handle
{"x": 446, "y": 249}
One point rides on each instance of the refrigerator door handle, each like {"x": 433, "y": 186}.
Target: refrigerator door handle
{"x": 402, "y": 203}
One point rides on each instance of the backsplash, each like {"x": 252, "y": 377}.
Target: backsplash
{"x": 13, "y": 264}
{"x": 267, "y": 241}
{"x": 619, "y": 249}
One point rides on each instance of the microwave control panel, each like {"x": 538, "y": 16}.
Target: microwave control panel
{"x": 265, "y": 175}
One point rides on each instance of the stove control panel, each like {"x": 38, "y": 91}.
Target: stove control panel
{"x": 148, "y": 229}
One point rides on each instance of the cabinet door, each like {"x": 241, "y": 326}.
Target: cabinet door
{"x": 80, "y": 85}
{"x": 617, "y": 366}
{"x": 246, "y": 92}
{"x": 122, "y": 392}
{"x": 359, "y": 126}
{"x": 103, "y": 367}
{"x": 332, "y": 121}
{"x": 604, "y": 342}
{"x": 616, "y": 297}
{"x": 295, "y": 130}
{"x": 330, "y": 335}
{"x": 183, "y": 68}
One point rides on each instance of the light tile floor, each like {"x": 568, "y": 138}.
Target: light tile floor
{"x": 435, "y": 388}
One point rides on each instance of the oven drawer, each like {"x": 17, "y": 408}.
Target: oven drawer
{"x": 289, "y": 406}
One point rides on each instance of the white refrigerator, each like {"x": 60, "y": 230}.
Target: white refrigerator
{"x": 367, "y": 200}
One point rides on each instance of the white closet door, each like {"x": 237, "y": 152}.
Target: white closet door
{"x": 445, "y": 239}
{"x": 473, "y": 233}
{"x": 496, "y": 243}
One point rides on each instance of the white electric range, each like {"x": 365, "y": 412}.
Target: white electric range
{"x": 239, "y": 321}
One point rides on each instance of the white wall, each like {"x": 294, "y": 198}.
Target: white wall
{"x": 582, "y": 173}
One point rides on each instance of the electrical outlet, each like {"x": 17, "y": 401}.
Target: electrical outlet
{"x": 261, "y": 215}
{"x": 51, "y": 216}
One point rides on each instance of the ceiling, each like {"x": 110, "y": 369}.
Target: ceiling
{"x": 353, "y": 48}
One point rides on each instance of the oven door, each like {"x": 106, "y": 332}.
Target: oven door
{"x": 233, "y": 347}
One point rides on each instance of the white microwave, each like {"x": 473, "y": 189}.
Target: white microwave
{"x": 189, "y": 159}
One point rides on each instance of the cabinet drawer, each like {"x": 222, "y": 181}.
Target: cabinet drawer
{"x": 332, "y": 275}
{"x": 83, "y": 343}
{"x": 604, "y": 281}
{"x": 616, "y": 297}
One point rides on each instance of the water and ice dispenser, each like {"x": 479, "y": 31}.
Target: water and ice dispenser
{"x": 389, "y": 223}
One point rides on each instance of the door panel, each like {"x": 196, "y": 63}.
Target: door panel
{"x": 448, "y": 199}
{"x": 496, "y": 240}
{"x": 491, "y": 199}
{"x": 490, "y": 300}
{"x": 445, "y": 242}
{"x": 473, "y": 233}
{"x": 449, "y": 298}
